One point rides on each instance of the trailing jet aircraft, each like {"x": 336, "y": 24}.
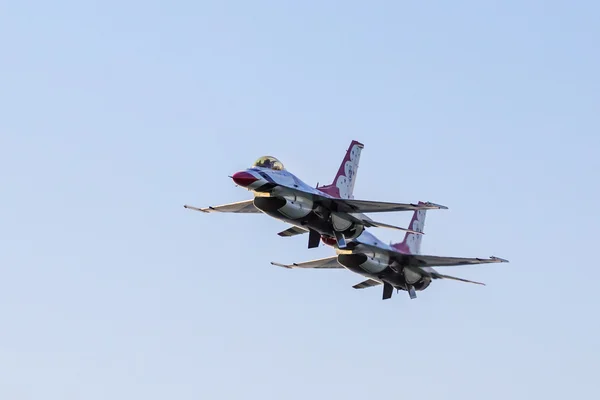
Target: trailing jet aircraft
{"x": 399, "y": 266}
{"x": 330, "y": 211}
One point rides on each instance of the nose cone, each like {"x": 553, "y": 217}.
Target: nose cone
{"x": 244, "y": 178}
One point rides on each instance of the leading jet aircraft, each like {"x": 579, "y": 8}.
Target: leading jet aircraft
{"x": 325, "y": 211}
{"x": 399, "y": 266}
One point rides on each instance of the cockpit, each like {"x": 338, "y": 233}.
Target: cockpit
{"x": 269, "y": 162}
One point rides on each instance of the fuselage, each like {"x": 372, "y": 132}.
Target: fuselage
{"x": 282, "y": 195}
{"x": 375, "y": 262}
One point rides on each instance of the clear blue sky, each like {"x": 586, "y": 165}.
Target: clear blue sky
{"x": 116, "y": 113}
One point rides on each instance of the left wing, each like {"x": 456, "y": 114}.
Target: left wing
{"x": 422, "y": 264}
{"x": 450, "y": 262}
{"x": 367, "y": 206}
{"x": 437, "y": 261}
{"x": 327, "y": 262}
{"x": 245, "y": 207}
{"x": 419, "y": 260}
{"x": 416, "y": 262}
{"x": 361, "y": 206}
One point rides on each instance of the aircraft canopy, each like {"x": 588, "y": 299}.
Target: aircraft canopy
{"x": 269, "y": 162}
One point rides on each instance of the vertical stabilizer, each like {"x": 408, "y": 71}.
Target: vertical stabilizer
{"x": 343, "y": 183}
{"x": 412, "y": 242}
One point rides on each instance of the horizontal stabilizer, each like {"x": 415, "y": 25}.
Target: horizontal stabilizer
{"x": 293, "y": 231}
{"x": 440, "y": 276}
{"x": 322, "y": 263}
{"x": 242, "y": 207}
{"x": 369, "y": 223}
{"x": 366, "y": 284}
{"x": 366, "y": 206}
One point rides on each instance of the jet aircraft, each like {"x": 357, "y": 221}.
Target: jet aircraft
{"x": 325, "y": 211}
{"x": 399, "y": 266}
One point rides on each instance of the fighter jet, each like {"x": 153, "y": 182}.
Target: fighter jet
{"x": 329, "y": 210}
{"x": 399, "y": 266}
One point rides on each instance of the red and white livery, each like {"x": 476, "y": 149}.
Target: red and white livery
{"x": 324, "y": 211}
{"x": 399, "y": 266}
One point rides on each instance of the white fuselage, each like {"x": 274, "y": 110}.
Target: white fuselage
{"x": 299, "y": 207}
{"x": 376, "y": 263}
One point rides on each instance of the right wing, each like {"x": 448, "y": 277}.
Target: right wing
{"x": 246, "y": 207}
{"x": 322, "y": 263}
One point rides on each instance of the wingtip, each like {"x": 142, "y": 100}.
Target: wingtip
{"x": 188, "y": 207}
{"x": 499, "y": 259}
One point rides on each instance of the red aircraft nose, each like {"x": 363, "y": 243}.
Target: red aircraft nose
{"x": 243, "y": 178}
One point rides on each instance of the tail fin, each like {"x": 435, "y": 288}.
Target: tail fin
{"x": 343, "y": 183}
{"x": 412, "y": 242}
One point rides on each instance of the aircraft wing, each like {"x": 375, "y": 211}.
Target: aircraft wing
{"x": 363, "y": 206}
{"x": 419, "y": 260}
{"x": 245, "y": 207}
{"x": 422, "y": 263}
{"x": 367, "y": 206}
{"x": 437, "y": 261}
{"x": 328, "y": 263}
{"x": 450, "y": 262}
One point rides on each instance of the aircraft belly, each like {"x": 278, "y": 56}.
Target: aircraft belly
{"x": 339, "y": 223}
{"x": 301, "y": 211}
{"x": 411, "y": 277}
